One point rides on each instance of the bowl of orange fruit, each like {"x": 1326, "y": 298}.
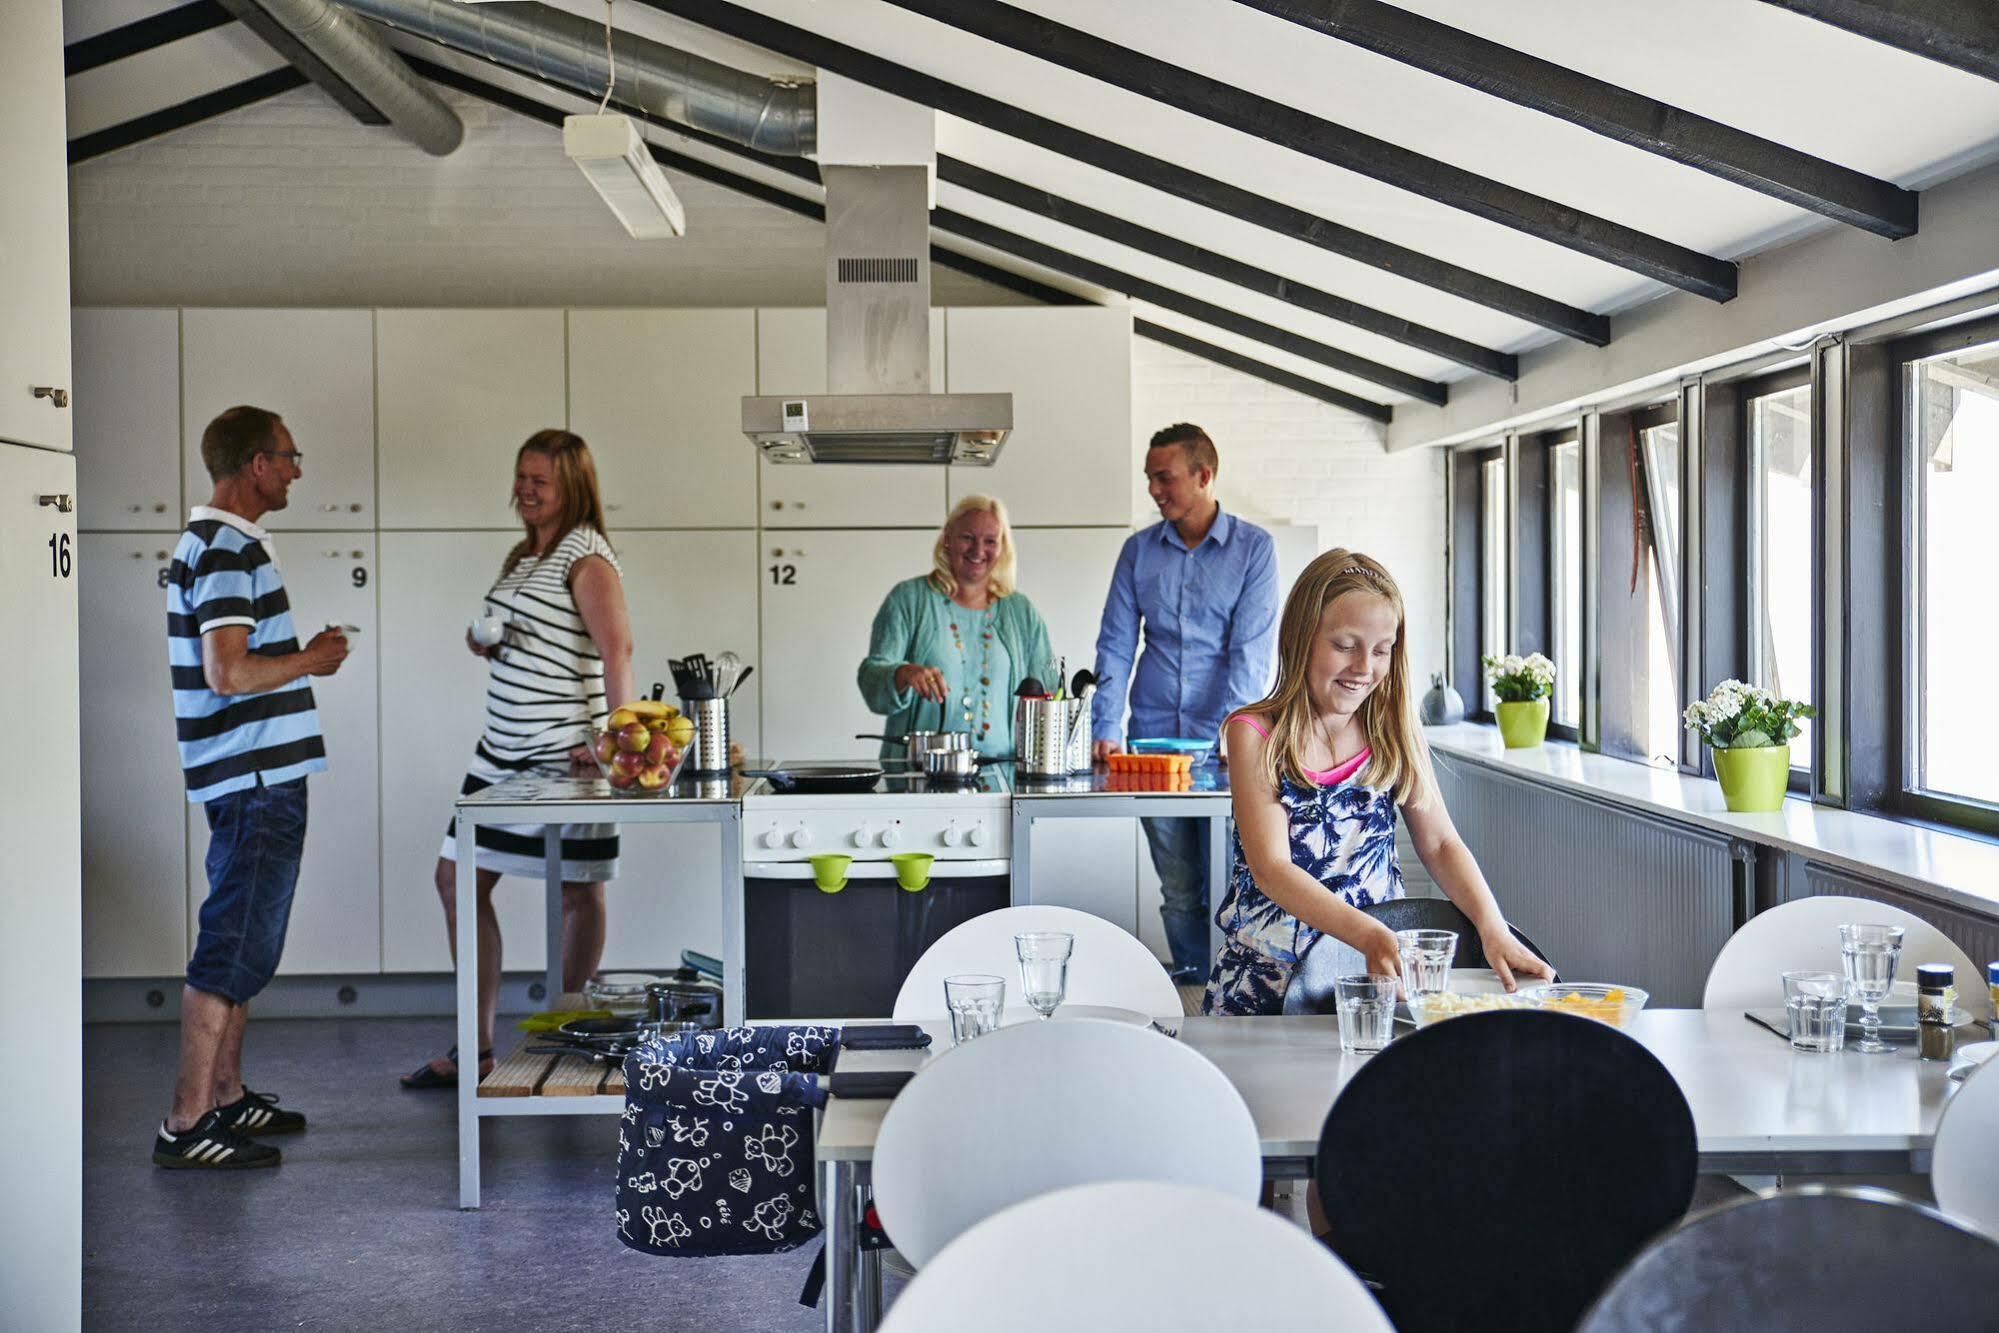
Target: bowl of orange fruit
{"x": 1615, "y": 1005}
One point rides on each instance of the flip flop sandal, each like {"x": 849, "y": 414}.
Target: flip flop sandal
{"x": 424, "y": 1077}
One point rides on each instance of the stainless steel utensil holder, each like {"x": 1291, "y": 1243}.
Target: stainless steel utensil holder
{"x": 1051, "y": 737}
{"x": 711, "y": 737}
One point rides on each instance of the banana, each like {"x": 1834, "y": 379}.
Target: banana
{"x": 649, "y": 710}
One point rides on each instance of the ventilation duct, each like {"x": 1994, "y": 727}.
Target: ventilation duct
{"x": 354, "y": 54}
{"x": 768, "y": 115}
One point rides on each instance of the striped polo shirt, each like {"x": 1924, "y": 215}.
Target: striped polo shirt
{"x": 225, "y": 572}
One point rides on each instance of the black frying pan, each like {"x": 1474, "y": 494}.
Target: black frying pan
{"x": 824, "y": 778}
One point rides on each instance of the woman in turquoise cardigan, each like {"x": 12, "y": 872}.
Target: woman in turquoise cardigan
{"x": 954, "y": 644}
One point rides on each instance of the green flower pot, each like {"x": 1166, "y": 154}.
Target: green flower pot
{"x": 1524, "y": 725}
{"x": 1754, "y": 780}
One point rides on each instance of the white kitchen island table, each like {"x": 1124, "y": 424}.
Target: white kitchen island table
{"x": 1758, "y": 1106}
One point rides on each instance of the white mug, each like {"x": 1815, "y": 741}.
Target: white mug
{"x": 488, "y": 630}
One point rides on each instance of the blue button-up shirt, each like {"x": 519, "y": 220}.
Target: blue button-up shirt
{"x": 1209, "y": 617}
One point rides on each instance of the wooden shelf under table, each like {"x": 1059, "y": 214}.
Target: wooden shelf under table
{"x": 521, "y": 1074}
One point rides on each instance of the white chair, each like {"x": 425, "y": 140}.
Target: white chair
{"x": 1043, "y": 1105}
{"x": 1109, "y": 967}
{"x": 1964, "y": 1170}
{"x": 1134, "y": 1254}
{"x": 1803, "y": 935}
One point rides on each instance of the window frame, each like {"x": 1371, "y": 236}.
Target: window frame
{"x": 1476, "y": 706}
{"x": 1549, "y": 442}
{"x": 1747, "y": 391}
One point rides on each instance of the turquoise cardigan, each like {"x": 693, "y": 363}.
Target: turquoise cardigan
{"x": 910, "y": 628}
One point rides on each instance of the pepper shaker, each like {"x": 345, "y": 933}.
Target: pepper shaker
{"x": 1936, "y": 1039}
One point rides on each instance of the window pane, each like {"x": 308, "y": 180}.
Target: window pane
{"x": 1956, "y": 401}
{"x": 1493, "y": 574}
{"x": 1565, "y": 557}
{"x": 1780, "y": 461}
{"x": 1662, "y": 711}
{"x": 1659, "y": 451}
{"x": 1661, "y": 448}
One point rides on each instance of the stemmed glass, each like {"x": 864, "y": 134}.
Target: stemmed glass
{"x": 1044, "y": 967}
{"x": 1869, "y": 953}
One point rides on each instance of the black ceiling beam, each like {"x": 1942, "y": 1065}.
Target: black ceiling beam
{"x": 1188, "y": 255}
{"x": 1157, "y": 173}
{"x": 182, "y": 114}
{"x": 1329, "y": 142}
{"x": 978, "y": 268}
{"x": 142, "y": 35}
{"x": 307, "y": 62}
{"x": 1630, "y": 118}
{"x": 1963, "y": 34}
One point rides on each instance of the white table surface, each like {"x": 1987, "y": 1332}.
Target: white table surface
{"x": 1749, "y": 1091}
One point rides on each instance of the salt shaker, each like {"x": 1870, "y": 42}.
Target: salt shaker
{"x": 1936, "y": 1039}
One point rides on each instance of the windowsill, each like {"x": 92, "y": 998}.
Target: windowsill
{"x": 1961, "y": 869}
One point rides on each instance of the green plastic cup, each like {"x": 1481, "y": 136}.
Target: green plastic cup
{"x": 912, "y": 869}
{"x": 829, "y": 871}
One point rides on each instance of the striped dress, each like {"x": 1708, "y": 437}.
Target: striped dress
{"x": 544, "y": 695}
{"x": 225, "y": 572}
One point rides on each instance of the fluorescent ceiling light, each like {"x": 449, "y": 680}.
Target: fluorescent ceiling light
{"x": 615, "y": 159}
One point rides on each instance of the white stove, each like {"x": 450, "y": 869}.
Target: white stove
{"x": 904, "y": 813}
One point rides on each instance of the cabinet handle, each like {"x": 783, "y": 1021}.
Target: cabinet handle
{"x": 777, "y": 552}
{"x": 354, "y": 555}
{"x": 333, "y": 555}
{"x": 57, "y": 397}
{"x": 354, "y": 509}
{"x": 62, "y": 504}
{"x": 777, "y": 504}
{"x": 160, "y": 556}
{"x": 613, "y": 508}
{"x": 159, "y": 509}
{"x": 133, "y": 508}
{"x": 329, "y": 509}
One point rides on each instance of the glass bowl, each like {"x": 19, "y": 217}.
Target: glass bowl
{"x": 1440, "y": 1005}
{"x": 621, "y": 994}
{"x": 632, "y": 754}
{"x": 1615, "y": 1005}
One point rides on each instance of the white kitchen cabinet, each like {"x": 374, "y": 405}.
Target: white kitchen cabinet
{"x": 687, "y": 592}
{"x": 34, "y": 232}
{"x": 41, "y": 1226}
{"x": 791, "y": 358}
{"x": 457, "y": 393}
{"x": 820, "y": 592}
{"x": 336, "y": 922}
{"x": 128, "y": 420}
{"x": 135, "y": 921}
{"x": 658, "y": 395}
{"x": 1066, "y": 572}
{"x": 1069, "y": 458}
{"x": 314, "y": 368}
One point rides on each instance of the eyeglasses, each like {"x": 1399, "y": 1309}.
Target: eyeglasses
{"x": 296, "y": 457}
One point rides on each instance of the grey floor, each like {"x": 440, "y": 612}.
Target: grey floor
{"x": 359, "y": 1229}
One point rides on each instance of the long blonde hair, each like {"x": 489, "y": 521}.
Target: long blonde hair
{"x": 1400, "y": 757}
{"x": 1000, "y": 581}
{"x": 575, "y": 488}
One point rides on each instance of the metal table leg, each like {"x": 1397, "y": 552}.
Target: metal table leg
{"x": 733, "y": 950}
{"x": 1218, "y": 879}
{"x": 1023, "y": 856}
{"x": 551, "y": 860}
{"x": 467, "y": 894}
{"x": 839, "y": 1200}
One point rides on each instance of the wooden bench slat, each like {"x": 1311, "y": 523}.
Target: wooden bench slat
{"x": 519, "y": 1075}
{"x": 573, "y": 1076}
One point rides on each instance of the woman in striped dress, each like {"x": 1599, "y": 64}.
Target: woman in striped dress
{"x": 568, "y": 647}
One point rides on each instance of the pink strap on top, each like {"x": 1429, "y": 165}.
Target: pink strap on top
{"x": 1324, "y": 777}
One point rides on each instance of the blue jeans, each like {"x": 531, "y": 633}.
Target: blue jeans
{"x": 1180, "y": 855}
{"x": 256, "y": 838}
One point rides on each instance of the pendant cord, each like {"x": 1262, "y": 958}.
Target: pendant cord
{"x": 610, "y": 58}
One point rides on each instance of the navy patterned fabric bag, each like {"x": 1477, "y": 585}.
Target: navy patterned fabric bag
{"x": 715, "y": 1150}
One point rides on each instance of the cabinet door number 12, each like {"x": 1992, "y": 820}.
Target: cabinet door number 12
{"x": 784, "y": 575}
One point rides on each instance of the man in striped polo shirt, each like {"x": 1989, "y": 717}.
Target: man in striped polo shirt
{"x": 249, "y": 735}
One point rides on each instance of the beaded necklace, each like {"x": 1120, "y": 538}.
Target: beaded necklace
{"x": 978, "y": 709}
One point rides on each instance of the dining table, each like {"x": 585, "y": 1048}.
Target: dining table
{"x": 1759, "y": 1108}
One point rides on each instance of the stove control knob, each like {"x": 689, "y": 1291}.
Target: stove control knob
{"x": 860, "y": 838}
{"x": 978, "y": 835}
{"x": 773, "y": 839}
{"x": 952, "y": 836}
{"x": 801, "y": 837}
{"x": 891, "y": 837}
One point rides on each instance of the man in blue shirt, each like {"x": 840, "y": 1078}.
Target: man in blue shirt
{"x": 249, "y": 736}
{"x": 1201, "y": 585}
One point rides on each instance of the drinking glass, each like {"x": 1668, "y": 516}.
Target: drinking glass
{"x": 1044, "y": 967}
{"x": 1815, "y": 1010}
{"x": 1367, "y": 1012}
{"x": 975, "y": 1002}
{"x": 1869, "y": 953}
{"x": 1426, "y": 960}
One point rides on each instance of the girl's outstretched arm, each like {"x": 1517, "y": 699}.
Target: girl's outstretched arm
{"x": 1450, "y": 863}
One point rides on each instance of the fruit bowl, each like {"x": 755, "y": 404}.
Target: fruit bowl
{"x": 1435, "y": 1008}
{"x": 642, "y": 747}
{"x": 1615, "y": 1005}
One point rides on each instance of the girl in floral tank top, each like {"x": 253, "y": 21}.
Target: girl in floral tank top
{"x": 1313, "y": 846}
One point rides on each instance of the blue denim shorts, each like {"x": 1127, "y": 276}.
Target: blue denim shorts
{"x": 256, "y": 837}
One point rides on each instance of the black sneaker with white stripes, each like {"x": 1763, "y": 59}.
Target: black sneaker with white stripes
{"x": 257, "y": 1113}
{"x": 210, "y": 1146}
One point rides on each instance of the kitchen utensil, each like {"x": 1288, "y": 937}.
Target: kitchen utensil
{"x": 1051, "y": 737}
{"x": 826, "y": 778}
{"x": 955, "y": 765}
{"x": 912, "y": 869}
{"x": 1199, "y": 751}
{"x": 727, "y": 667}
{"x": 1061, "y": 676}
{"x": 708, "y": 754}
{"x": 829, "y": 870}
{"x": 1044, "y": 967}
{"x": 488, "y": 630}
{"x": 918, "y": 746}
{"x": 622, "y": 994}
{"x": 737, "y": 684}
{"x": 684, "y": 999}
{"x": 1030, "y": 687}
{"x": 1083, "y": 680}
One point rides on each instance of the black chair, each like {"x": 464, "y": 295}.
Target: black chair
{"x": 1810, "y": 1258}
{"x": 1311, "y": 989}
{"x": 1495, "y": 1170}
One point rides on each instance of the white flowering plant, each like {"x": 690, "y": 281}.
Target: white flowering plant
{"x": 1518, "y": 680}
{"x": 1736, "y": 716}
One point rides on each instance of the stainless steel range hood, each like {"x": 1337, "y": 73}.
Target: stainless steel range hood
{"x": 878, "y": 408}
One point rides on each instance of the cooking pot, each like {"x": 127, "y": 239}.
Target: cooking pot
{"x": 918, "y": 746}
{"x": 684, "y": 999}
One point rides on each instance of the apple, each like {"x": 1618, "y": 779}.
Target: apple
{"x": 652, "y": 779}
{"x": 628, "y": 764}
{"x": 681, "y": 730}
{"x": 622, "y": 718}
{"x": 634, "y": 738}
{"x": 620, "y": 780}
{"x": 660, "y": 753}
{"x": 605, "y": 747}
